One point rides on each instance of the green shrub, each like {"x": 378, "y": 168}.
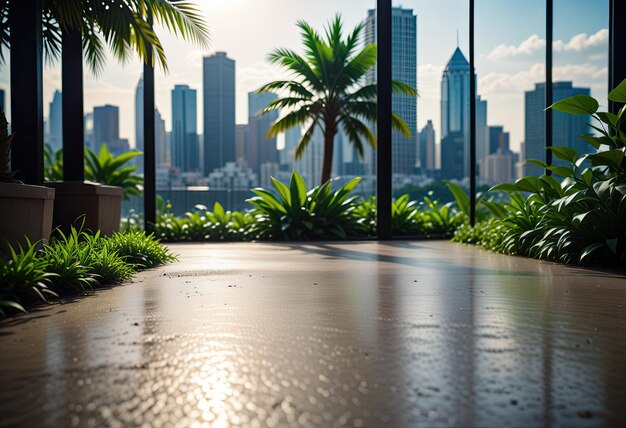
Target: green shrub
{"x": 23, "y": 276}
{"x": 139, "y": 249}
{"x": 582, "y": 217}
{"x": 76, "y": 262}
{"x": 293, "y": 213}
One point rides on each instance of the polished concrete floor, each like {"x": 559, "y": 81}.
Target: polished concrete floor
{"x": 423, "y": 333}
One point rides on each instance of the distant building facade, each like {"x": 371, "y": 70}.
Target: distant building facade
{"x": 427, "y": 148}
{"x": 403, "y": 69}
{"x": 566, "y": 128}
{"x": 106, "y": 127}
{"x": 259, "y": 149}
{"x": 184, "y": 139}
{"x": 55, "y": 122}
{"x": 219, "y": 111}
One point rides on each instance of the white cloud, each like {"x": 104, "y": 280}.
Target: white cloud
{"x": 529, "y": 46}
{"x": 581, "y": 42}
{"x": 534, "y": 44}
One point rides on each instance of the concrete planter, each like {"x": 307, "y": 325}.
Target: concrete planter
{"x": 100, "y": 205}
{"x": 26, "y": 211}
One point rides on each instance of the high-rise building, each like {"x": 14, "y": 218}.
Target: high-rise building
{"x": 403, "y": 69}
{"x": 482, "y": 130}
{"x": 241, "y": 144}
{"x": 89, "y": 143}
{"x": 566, "y": 128}
{"x": 288, "y": 153}
{"x": 185, "y": 152}
{"x": 259, "y": 149}
{"x": 455, "y": 111}
{"x": 106, "y": 126}
{"x": 139, "y": 124}
{"x": 498, "y": 139}
{"x": 427, "y": 147}
{"x": 55, "y": 122}
{"x": 160, "y": 140}
{"x": 453, "y": 155}
{"x": 219, "y": 111}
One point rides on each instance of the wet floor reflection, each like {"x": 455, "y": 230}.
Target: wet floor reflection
{"x": 321, "y": 334}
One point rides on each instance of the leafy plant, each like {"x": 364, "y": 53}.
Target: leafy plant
{"x": 326, "y": 91}
{"x": 106, "y": 168}
{"x": 53, "y": 164}
{"x": 124, "y": 27}
{"x": 63, "y": 258}
{"x": 365, "y": 212}
{"x": 406, "y": 217}
{"x": 23, "y": 276}
{"x": 139, "y": 249}
{"x": 293, "y": 213}
{"x": 581, "y": 218}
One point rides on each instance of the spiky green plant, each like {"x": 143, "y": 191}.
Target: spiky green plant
{"x": 106, "y": 168}
{"x": 293, "y": 213}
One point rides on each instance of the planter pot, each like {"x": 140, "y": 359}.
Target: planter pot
{"x": 98, "y": 204}
{"x": 26, "y": 211}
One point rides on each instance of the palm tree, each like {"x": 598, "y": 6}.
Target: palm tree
{"x": 120, "y": 24}
{"x": 326, "y": 91}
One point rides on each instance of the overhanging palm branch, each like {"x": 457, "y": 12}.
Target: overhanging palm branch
{"x": 119, "y": 24}
{"x": 326, "y": 90}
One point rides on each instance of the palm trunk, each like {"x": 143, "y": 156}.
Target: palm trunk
{"x": 329, "y": 139}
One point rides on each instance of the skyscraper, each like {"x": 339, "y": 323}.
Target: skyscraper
{"x": 403, "y": 69}
{"x": 139, "y": 118}
{"x": 498, "y": 139}
{"x": 288, "y": 154}
{"x": 427, "y": 147}
{"x": 260, "y": 149}
{"x": 160, "y": 140}
{"x": 55, "y": 121}
{"x": 106, "y": 128}
{"x": 455, "y": 117}
{"x": 219, "y": 111}
{"x": 185, "y": 151}
{"x": 482, "y": 130}
{"x": 566, "y": 128}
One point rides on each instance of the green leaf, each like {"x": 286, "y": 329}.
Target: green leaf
{"x": 618, "y": 94}
{"x": 561, "y": 171}
{"x": 611, "y": 158}
{"x": 564, "y": 153}
{"x": 578, "y": 104}
{"x": 540, "y": 164}
{"x": 504, "y": 187}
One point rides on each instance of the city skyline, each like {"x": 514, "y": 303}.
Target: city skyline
{"x": 509, "y": 57}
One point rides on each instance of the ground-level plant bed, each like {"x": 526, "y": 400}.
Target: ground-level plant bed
{"x": 290, "y": 211}
{"x": 72, "y": 263}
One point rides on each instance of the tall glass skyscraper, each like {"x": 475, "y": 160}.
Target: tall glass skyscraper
{"x": 219, "y": 111}
{"x": 566, "y": 128}
{"x": 455, "y": 113}
{"x": 260, "y": 149}
{"x": 403, "y": 69}
{"x": 185, "y": 151}
{"x": 55, "y": 121}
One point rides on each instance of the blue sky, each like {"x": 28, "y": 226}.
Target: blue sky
{"x": 509, "y": 52}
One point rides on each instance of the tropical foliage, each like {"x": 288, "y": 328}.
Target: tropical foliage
{"x": 580, "y": 218}
{"x": 104, "y": 167}
{"x": 293, "y": 213}
{"x": 76, "y": 262}
{"x": 124, "y": 26}
{"x": 326, "y": 91}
